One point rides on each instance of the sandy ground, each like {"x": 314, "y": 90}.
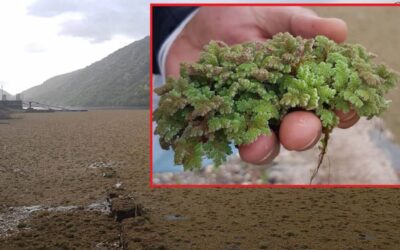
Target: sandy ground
{"x": 66, "y": 162}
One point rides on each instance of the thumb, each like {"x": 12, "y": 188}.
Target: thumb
{"x": 309, "y": 26}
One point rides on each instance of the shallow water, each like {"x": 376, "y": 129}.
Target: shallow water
{"x": 175, "y": 217}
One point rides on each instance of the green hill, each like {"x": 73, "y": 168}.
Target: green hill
{"x": 120, "y": 79}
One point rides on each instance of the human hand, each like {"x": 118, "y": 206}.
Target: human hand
{"x": 300, "y": 130}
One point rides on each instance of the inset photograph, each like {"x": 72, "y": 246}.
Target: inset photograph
{"x": 272, "y": 95}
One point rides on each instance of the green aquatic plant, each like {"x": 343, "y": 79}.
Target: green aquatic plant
{"x": 235, "y": 94}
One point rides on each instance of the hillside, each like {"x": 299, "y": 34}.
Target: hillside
{"x": 120, "y": 79}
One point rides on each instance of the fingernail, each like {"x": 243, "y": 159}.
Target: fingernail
{"x": 314, "y": 140}
{"x": 349, "y": 118}
{"x": 265, "y": 157}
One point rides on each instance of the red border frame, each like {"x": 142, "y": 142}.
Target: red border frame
{"x": 152, "y": 185}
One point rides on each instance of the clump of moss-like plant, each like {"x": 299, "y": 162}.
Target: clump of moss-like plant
{"x": 235, "y": 94}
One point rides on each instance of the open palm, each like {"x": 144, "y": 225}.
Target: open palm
{"x": 299, "y": 130}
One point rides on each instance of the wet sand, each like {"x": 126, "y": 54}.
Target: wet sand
{"x": 76, "y": 159}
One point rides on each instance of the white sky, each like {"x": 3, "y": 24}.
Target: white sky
{"x": 40, "y": 39}
{"x": 32, "y": 50}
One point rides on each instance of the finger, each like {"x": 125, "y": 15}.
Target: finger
{"x": 345, "y": 116}
{"x": 180, "y": 51}
{"x": 348, "y": 123}
{"x": 272, "y": 20}
{"x": 300, "y": 130}
{"x": 275, "y": 153}
{"x": 261, "y": 151}
{"x": 299, "y": 21}
{"x": 348, "y": 119}
{"x": 308, "y": 26}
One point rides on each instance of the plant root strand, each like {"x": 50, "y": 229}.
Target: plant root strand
{"x": 326, "y": 132}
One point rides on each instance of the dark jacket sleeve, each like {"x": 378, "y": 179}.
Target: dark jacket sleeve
{"x": 165, "y": 20}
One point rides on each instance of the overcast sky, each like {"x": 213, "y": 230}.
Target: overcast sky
{"x": 43, "y": 38}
